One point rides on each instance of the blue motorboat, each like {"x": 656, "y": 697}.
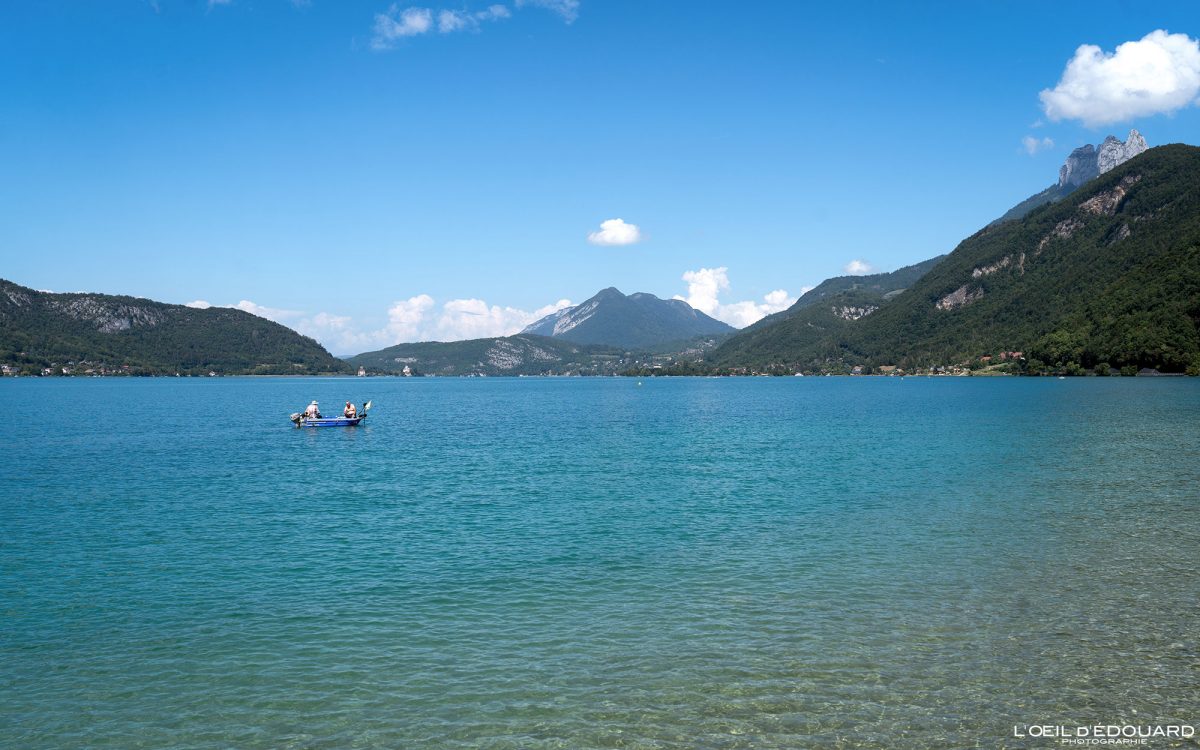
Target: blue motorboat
{"x": 301, "y": 420}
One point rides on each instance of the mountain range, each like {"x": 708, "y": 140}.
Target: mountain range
{"x": 522, "y": 354}
{"x": 1108, "y": 277}
{"x": 1099, "y": 271}
{"x": 604, "y": 335}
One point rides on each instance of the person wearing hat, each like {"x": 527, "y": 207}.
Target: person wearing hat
{"x": 312, "y": 412}
{"x": 349, "y": 412}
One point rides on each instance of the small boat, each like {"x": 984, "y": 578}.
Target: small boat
{"x": 302, "y": 421}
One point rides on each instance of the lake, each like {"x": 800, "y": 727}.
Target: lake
{"x": 596, "y": 563}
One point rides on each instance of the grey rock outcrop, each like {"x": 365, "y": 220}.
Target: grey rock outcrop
{"x": 1081, "y": 166}
{"x": 1113, "y": 153}
{"x": 1090, "y": 161}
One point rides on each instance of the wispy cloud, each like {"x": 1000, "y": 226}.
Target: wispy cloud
{"x": 401, "y": 22}
{"x": 398, "y": 23}
{"x": 1033, "y": 145}
{"x": 568, "y": 9}
{"x": 615, "y": 232}
{"x": 457, "y": 20}
{"x": 707, "y": 285}
{"x": 858, "y": 267}
{"x": 271, "y": 313}
{"x": 1159, "y": 73}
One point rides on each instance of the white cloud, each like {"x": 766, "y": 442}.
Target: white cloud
{"x": 398, "y": 23}
{"x": 475, "y": 319}
{"x": 858, "y": 267}
{"x": 270, "y": 313}
{"x": 615, "y": 232}
{"x": 705, "y": 287}
{"x": 457, "y": 320}
{"x": 568, "y": 9}
{"x": 413, "y": 319}
{"x": 1160, "y": 73}
{"x": 199, "y": 304}
{"x": 335, "y": 332}
{"x": 1033, "y": 145}
{"x": 459, "y": 20}
{"x": 405, "y": 318}
{"x": 777, "y": 298}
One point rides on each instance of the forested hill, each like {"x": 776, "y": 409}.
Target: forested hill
{"x": 523, "y": 354}
{"x": 1109, "y": 276}
{"x": 101, "y": 332}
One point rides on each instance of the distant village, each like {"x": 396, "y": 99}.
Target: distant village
{"x": 1005, "y": 363}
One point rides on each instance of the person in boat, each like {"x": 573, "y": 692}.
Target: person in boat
{"x": 312, "y": 412}
{"x": 349, "y": 412}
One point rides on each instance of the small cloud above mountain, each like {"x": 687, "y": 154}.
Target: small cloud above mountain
{"x": 270, "y": 313}
{"x": 1033, "y": 145}
{"x": 616, "y": 232}
{"x": 1157, "y": 74}
{"x": 858, "y": 267}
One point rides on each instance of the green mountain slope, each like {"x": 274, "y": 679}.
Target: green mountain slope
{"x": 1110, "y": 274}
{"x": 40, "y": 329}
{"x": 822, "y": 312}
{"x": 1049, "y": 195}
{"x": 882, "y": 285}
{"x": 523, "y": 354}
{"x": 875, "y": 288}
{"x": 636, "y": 321}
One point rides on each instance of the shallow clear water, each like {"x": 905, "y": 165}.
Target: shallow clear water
{"x": 578, "y": 563}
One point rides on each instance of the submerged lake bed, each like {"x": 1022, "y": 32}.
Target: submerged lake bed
{"x": 597, "y": 563}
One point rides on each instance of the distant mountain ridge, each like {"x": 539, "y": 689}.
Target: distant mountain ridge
{"x": 522, "y": 354}
{"x": 828, "y": 307}
{"x": 635, "y": 321}
{"x": 881, "y": 285}
{"x": 40, "y": 329}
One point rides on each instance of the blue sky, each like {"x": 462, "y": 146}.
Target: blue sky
{"x": 370, "y": 172}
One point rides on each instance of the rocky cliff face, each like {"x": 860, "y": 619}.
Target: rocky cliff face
{"x": 1080, "y": 167}
{"x": 1090, "y": 161}
{"x": 1113, "y": 153}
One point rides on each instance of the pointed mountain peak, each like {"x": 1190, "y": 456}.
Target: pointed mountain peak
{"x": 634, "y": 321}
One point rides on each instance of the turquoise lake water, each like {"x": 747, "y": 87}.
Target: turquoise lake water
{"x": 589, "y": 563}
